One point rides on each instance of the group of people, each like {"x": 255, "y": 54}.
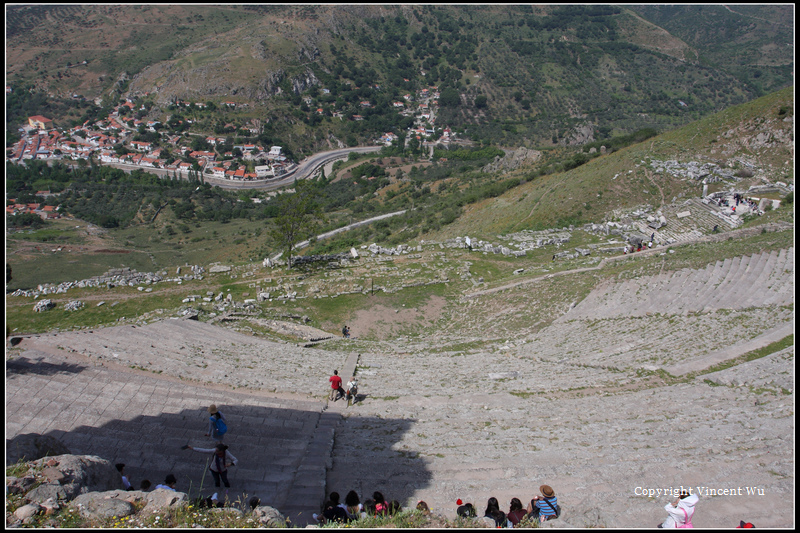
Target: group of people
{"x": 169, "y": 482}
{"x": 541, "y": 508}
{"x": 219, "y": 462}
{"x": 337, "y": 392}
{"x": 351, "y": 509}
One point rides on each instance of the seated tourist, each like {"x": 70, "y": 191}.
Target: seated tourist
{"x": 544, "y": 507}
{"x": 516, "y": 512}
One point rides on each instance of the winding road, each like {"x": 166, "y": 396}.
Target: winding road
{"x": 305, "y": 169}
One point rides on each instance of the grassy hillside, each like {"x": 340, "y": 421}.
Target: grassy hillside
{"x": 449, "y": 199}
{"x": 592, "y": 191}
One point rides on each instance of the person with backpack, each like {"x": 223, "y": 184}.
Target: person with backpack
{"x": 216, "y": 424}
{"x": 220, "y": 461}
{"x": 680, "y": 512}
{"x": 351, "y": 393}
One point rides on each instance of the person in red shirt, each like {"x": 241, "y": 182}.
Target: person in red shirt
{"x": 336, "y": 386}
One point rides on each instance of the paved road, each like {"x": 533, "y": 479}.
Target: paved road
{"x": 331, "y": 233}
{"x": 304, "y": 170}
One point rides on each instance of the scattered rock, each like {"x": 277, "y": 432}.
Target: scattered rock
{"x": 27, "y": 511}
{"x": 43, "y": 305}
{"x": 98, "y": 505}
{"x": 269, "y": 516}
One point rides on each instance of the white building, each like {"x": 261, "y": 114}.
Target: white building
{"x": 264, "y": 171}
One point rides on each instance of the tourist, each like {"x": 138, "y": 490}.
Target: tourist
{"x": 211, "y": 502}
{"x": 465, "y": 511}
{"x": 491, "y": 505}
{"x": 334, "y": 499}
{"x": 394, "y": 507}
{"x": 680, "y": 511}
{"x": 544, "y": 507}
{"x": 353, "y": 505}
{"x": 125, "y": 482}
{"x": 515, "y": 511}
{"x": 217, "y": 426}
{"x": 423, "y": 508}
{"x": 254, "y": 502}
{"x": 490, "y": 516}
{"x": 369, "y": 507}
{"x": 336, "y": 386}
{"x": 346, "y": 332}
{"x": 351, "y": 391}
{"x": 332, "y": 511}
{"x": 169, "y": 483}
{"x": 144, "y": 486}
{"x": 220, "y": 461}
{"x": 381, "y": 507}
{"x": 500, "y": 519}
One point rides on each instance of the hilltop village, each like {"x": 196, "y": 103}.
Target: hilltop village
{"x": 130, "y": 138}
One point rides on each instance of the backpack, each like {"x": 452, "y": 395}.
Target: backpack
{"x": 220, "y": 425}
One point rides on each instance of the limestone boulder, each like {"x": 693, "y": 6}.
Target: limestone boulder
{"x": 162, "y": 499}
{"x": 101, "y": 505}
{"x": 269, "y": 516}
{"x": 27, "y": 511}
{"x": 64, "y": 477}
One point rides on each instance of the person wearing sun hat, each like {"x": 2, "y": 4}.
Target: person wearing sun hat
{"x": 544, "y": 507}
{"x": 213, "y": 426}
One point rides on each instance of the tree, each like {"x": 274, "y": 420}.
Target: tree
{"x": 449, "y": 97}
{"x": 298, "y": 217}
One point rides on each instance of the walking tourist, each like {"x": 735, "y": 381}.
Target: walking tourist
{"x": 217, "y": 426}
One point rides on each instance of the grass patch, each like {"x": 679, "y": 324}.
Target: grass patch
{"x": 769, "y": 349}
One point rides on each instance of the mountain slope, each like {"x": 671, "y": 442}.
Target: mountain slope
{"x": 523, "y": 75}
{"x": 757, "y": 137}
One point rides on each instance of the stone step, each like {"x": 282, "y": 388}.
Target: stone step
{"x": 143, "y": 420}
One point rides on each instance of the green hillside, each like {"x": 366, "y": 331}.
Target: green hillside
{"x": 624, "y": 179}
{"x": 511, "y": 75}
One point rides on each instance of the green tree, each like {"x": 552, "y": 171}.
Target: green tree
{"x": 298, "y": 217}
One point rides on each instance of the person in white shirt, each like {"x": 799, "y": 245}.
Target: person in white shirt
{"x": 680, "y": 511}
{"x": 169, "y": 483}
